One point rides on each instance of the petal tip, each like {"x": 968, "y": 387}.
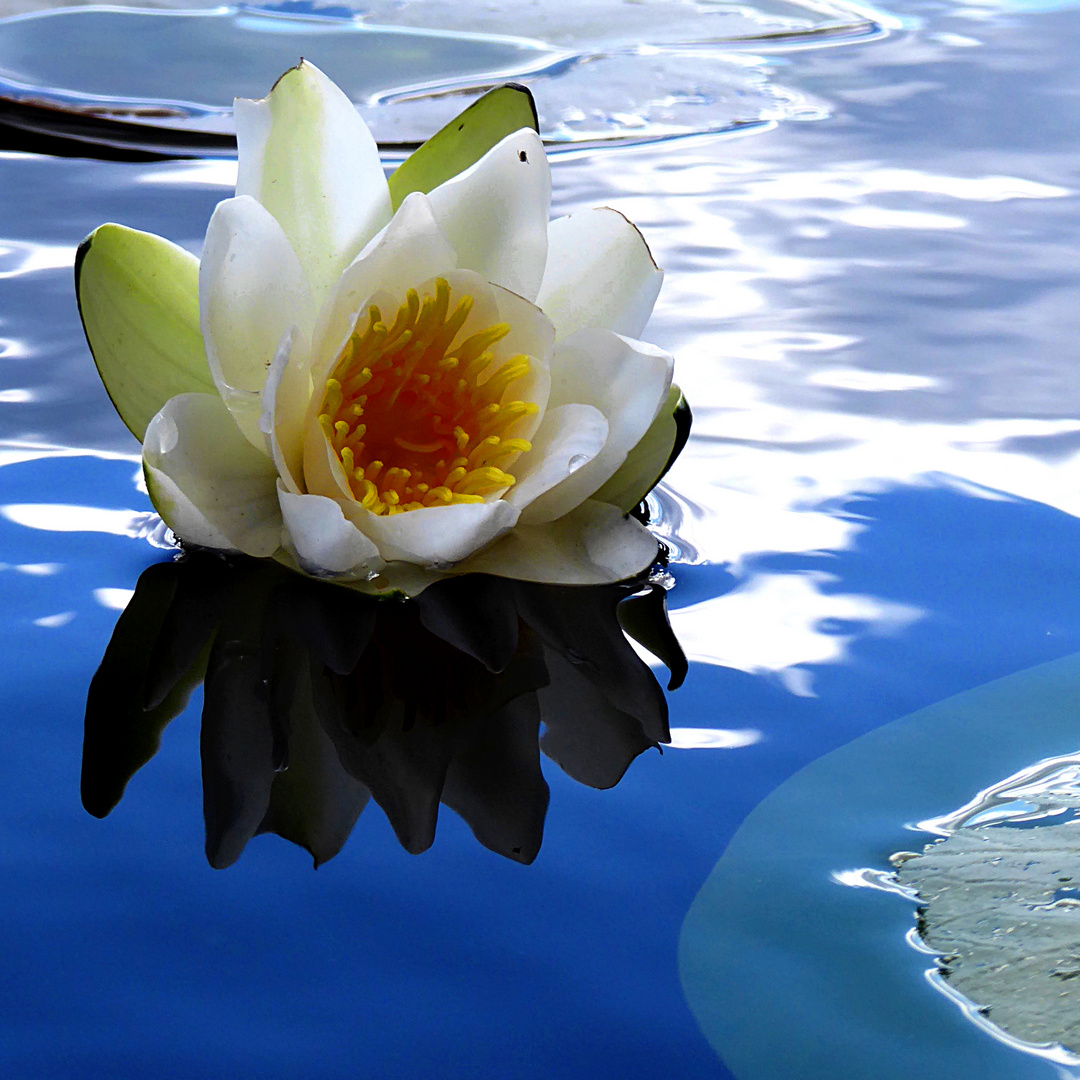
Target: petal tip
{"x": 641, "y": 236}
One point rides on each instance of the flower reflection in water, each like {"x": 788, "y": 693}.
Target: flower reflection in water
{"x": 318, "y": 699}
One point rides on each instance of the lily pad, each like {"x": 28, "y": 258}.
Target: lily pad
{"x": 168, "y": 78}
{"x": 1001, "y": 905}
{"x": 163, "y": 82}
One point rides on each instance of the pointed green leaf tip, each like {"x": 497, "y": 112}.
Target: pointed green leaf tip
{"x": 646, "y": 465}
{"x": 139, "y": 302}
{"x": 465, "y": 140}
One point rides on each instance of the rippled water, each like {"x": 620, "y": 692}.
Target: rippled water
{"x": 872, "y": 293}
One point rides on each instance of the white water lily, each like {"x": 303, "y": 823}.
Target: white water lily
{"x": 389, "y": 396}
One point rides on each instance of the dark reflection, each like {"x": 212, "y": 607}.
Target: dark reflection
{"x": 35, "y": 128}
{"x": 317, "y": 699}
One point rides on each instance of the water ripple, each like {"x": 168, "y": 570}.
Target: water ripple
{"x": 601, "y": 69}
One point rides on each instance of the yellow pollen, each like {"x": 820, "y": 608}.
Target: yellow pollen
{"x": 437, "y": 399}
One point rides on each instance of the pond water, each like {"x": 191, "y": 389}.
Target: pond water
{"x": 871, "y": 240}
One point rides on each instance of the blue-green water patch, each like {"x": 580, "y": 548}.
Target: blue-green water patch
{"x": 774, "y": 943}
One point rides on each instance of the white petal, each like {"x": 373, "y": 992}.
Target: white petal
{"x": 210, "y": 485}
{"x": 628, "y": 382}
{"x": 251, "y": 289}
{"x": 531, "y": 334}
{"x": 284, "y": 403}
{"x": 495, "y": 213}
{"x": 437, "y": 536}
{"x": 594, "y": 545}
{"x": 411, "y": 250}
{"x": 308, "y": 157}
{"x": 569, "y": 437}
{"x": 323, "y": 471}
{"x": 323, "y": 540}
{"x": 181, "y": 514}
{"x": 599, "y": 273}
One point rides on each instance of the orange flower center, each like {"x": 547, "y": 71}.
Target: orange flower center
{"x": 417, "y": 417}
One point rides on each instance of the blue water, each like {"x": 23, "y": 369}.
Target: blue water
{"x": 875, "y": 317}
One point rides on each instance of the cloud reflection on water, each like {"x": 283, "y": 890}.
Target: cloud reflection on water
{"x": 779, "y": 623}
{"x": 827, "y": 357}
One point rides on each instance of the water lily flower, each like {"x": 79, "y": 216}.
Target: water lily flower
{"x": 386, "y": 383}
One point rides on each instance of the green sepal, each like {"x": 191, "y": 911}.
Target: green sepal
{"x": 139, "y": 301}
{"x": 647, "y": 464}
{"x": 465, "y": 140}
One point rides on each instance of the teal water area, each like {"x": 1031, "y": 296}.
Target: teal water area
{"x": 874, "y": 314}
{"x": 774, "y": 940}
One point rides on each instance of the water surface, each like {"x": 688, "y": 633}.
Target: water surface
{"x": 874, "y": 314}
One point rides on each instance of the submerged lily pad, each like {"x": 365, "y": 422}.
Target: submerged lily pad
{"x": 1000, "y": 905}
{"x": 1003, "y": 908}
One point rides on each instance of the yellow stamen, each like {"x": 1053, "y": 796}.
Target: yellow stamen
{"x": 435, "y": 427}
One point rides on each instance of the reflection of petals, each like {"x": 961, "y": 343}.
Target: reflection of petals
{"x": 314, "y": 802}
{"x": 586, "y": 629}
{"x": 329, "y": 622}
{"x": 238, "y": 745}
{"x": 495, "y": 782}
{"x": 122, "y": 733}
{"x": 313, "y": 703}
{"x": 589, "y": 739}
{"x": 476, "y": 614}
{"x": 190, "y": 620}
